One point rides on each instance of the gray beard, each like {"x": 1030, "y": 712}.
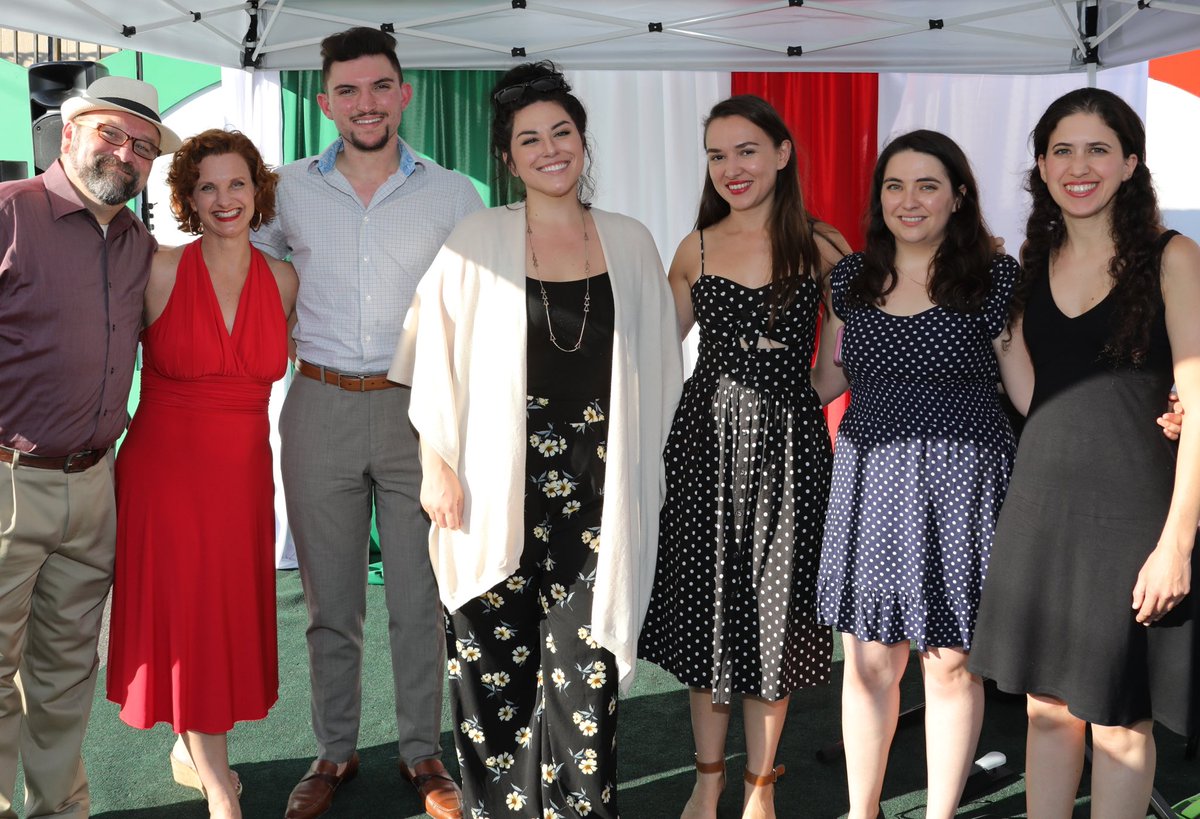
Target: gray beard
{"x": 104, "y": 180}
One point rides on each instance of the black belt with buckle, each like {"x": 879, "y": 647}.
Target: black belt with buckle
{"x": 75, "y": 462}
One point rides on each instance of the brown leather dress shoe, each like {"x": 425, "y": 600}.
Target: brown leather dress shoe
{"x": 443, "y": 799}
{"x": 313, "y": 795}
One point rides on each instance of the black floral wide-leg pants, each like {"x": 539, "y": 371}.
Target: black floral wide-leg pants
{"x": 534, "y": 695}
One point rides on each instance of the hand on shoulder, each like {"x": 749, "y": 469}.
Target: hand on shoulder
{"x": 832, "y": 246}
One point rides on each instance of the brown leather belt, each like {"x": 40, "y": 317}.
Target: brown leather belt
{"x": 75, "y": 462}
{"x": 352, "y": 383}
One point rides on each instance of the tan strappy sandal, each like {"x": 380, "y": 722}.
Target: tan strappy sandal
{"x": 712, "y": 768}
{"x": 762, "y": 780}
{"x": 184, "y": 772}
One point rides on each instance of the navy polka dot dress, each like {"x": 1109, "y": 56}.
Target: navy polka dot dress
{"x": 748, "y": 460}
{"x": 921, "y": 465}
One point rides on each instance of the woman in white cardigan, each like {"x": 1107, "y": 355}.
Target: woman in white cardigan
{"x": 544, "y": 369}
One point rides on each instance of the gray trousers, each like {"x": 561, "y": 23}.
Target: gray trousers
{"x": 340, "y": 451}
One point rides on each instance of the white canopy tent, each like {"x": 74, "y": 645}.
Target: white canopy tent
{"x": 644, "y": 118}
{"x": 943, "y": 36}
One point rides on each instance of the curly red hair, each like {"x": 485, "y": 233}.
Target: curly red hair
{"x": 185, "y": 172}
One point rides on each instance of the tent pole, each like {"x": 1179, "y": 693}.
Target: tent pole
{"x": 143, "y": 200}
{"x": 1091, "y": 21}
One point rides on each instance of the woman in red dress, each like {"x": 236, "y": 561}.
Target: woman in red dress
{"x": 193, "y": 619}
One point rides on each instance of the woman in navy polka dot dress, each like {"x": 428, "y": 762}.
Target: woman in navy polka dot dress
{"x": 922, "y": 461}
{"x": 733, "y": 610}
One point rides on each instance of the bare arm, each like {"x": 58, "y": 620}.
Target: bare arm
{"x": 288, "y": 283}
{"x": 1016, "y": 369}
{"x": 685, "y": 269}
{"x": 1165, "y": 577}
{"x": 828, "y": 378}
{"x": 161, "y": 283}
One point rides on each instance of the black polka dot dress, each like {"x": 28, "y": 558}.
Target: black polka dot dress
{"x": 747, "y": 460}
{"x": 921, "y": 465}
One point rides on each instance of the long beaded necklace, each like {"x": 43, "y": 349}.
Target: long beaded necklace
{"x": 587, "y": 277}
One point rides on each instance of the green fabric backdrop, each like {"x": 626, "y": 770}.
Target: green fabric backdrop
{"x": 447, "y": 120}
{"x": 16, "y": 140}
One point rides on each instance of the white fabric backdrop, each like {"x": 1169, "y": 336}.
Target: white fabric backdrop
{"x": 1172, "y": 125}
{"x": 649, "y": 149}
{"x": 991, "y": 117}
{"x": 647, "y": 145}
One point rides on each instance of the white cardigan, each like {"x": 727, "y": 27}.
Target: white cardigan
{"x": 463, "y": 351}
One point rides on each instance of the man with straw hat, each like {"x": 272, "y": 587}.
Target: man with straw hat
{"x": 73, "y": 264}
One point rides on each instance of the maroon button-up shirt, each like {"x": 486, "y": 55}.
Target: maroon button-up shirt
{"x": 70, "y": 313}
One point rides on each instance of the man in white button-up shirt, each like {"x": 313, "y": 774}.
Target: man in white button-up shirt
{"x": 362, "y": 222}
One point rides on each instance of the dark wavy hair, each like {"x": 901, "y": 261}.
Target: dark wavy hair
{"x": 1136, "y": 224}
{"x": 503, "y": 114}
{"x": 185, "y": 172}
{"x": 354, "y": 43}
{"x": 794, "y": 254}
{"x": 961, "y": 266}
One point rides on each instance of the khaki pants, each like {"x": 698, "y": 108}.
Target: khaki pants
{"x": 57, "y": 541}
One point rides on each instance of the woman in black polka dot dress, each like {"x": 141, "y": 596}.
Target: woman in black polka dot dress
{"x": 748, "y": 457}
{"x": 923, "y": 457}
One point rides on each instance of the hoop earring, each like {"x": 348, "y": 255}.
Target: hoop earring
{"x": 256, "y": 221}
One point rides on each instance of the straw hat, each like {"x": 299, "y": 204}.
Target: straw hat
{"x": 127, "y": 95}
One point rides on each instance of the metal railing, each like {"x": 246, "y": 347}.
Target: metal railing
{"x": 25, "y": 48}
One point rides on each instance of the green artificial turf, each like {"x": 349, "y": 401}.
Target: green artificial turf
{"x": 130, "y": 776}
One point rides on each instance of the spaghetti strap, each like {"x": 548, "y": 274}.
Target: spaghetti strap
{"x": 701, "y": 251}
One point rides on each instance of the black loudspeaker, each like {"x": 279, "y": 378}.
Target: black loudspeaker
{"x": 50, "y": 85}
{"x": 13, "y": 169}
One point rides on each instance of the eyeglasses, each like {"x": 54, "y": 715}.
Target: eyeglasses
{"x": 512, "y": 93}
{"x": 115, "y": 136}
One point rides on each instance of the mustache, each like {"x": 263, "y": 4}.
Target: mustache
{"x": 106, "y": 161}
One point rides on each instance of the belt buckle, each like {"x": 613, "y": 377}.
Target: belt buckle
{"x": 352, "y": 383}
{"x": 77, "y": 461}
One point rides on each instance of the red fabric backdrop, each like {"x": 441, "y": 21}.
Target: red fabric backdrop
{"x": 833, "y": 119}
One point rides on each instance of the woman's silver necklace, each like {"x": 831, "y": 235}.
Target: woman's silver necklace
{"x": 587, "y": 277}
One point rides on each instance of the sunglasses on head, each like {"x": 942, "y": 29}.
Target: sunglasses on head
{"x": 512, "y": 93}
